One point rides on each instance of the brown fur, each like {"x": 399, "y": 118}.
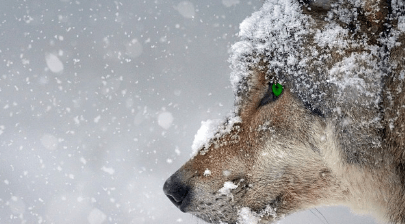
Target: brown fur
{"x": 293, "y": 153}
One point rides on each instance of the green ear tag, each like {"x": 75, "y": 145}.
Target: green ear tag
{"x": 277, "y": 89}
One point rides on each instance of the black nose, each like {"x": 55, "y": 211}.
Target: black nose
{"x": 176, "y": 191}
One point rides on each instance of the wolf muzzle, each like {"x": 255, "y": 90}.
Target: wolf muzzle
{"x": 177, "y": 191}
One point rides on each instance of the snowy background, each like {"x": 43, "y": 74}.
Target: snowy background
{"x": 100, "y": 102}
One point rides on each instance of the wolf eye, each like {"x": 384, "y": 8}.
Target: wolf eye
{"x": 277, "y": 89}
{"x": 272, "y": 94}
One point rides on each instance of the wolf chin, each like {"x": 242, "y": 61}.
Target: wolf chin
{"x": 319, "y": 117}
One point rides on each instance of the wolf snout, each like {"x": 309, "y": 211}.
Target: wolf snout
{"x": 176, "y": 191}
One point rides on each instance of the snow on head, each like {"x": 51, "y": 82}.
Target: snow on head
{"x": 331, "y": 36}
{"x": 54, "y": 63}
{"x": 204, "y": 134}
{"x": 276, "y": 31}
{"x": 212, "y": 129}
{"x": 287, "y": 44}
{"x": 335, "y": 71}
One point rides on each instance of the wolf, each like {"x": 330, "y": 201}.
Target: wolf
{"x": 319, "y": 117}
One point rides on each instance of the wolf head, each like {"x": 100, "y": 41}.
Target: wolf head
{"x": 308, "y": 80}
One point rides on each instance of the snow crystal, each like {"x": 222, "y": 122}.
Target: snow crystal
{"x": 97, "y": 119}
{"x": 96, "y": 216}
{"x": 226, "y": 190}
{"x": 207, "y": 172}
{"x": 177, "y": 92}
{"x": 54, "y": 63}
{"x": 165, "y": 119}
{"x": 345, "y": 74}
{"x": 83, "y": 160}
{"x": 2, "y": 127}
{"x": 134, "y": 48}
{"x": 186, "y": 9}
{"x": 331, "y": 36}
{"x": 108, "y": 170}
{"x": 177, "y": 151}
{"x": 49, "y": 141}
{"x": 246, "y": 216}
{"x": 229, "y": 3}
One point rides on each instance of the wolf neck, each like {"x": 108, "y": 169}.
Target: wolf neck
{"x": 368, "y": 192}
{"x": 368, "y": 188}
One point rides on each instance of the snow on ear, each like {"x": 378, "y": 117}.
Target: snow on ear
{"x": 376, "y": 13}
{"x": 321, "y": 4}
{"x": 372, "y": 14}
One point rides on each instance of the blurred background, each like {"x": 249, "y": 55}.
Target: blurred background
{"x": 100, "y": 102}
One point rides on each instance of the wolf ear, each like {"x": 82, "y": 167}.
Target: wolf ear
{"x": 320, "y": 4}
{"x": 371, "y": 14}
{"x": 376, "y": 13}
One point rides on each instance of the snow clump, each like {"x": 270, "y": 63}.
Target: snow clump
{"x": 165, "y": 119}
{"x": 49, "y": 141}
{"x": 134, "y": 48}
{"x": 212, "y": 129}
{"x": 204, "y": 134}
{"x": 54, "y": 63}
{"x": 246, "y": 216}
{"x": 226, "y": 190}
{"x": 207, "y": 172}
{"x": 96, "y": 216}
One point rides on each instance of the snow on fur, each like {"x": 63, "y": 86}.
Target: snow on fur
{"x": 211, "y": 129}
{"x": 277, "y": 28}
{"x": 279, "y": 40}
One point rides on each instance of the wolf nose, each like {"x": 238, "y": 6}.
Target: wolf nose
{"x": 176, "y": 191}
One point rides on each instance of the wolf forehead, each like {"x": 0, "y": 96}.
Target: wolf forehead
{"x": 324, "y": 61}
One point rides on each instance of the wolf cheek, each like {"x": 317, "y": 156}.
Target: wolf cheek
{"x": 273, "y": 173}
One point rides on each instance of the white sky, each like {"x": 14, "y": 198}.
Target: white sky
{"x": 100, "y": 102}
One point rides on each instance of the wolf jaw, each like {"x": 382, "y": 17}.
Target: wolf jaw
{"x": 335, "y": 135}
